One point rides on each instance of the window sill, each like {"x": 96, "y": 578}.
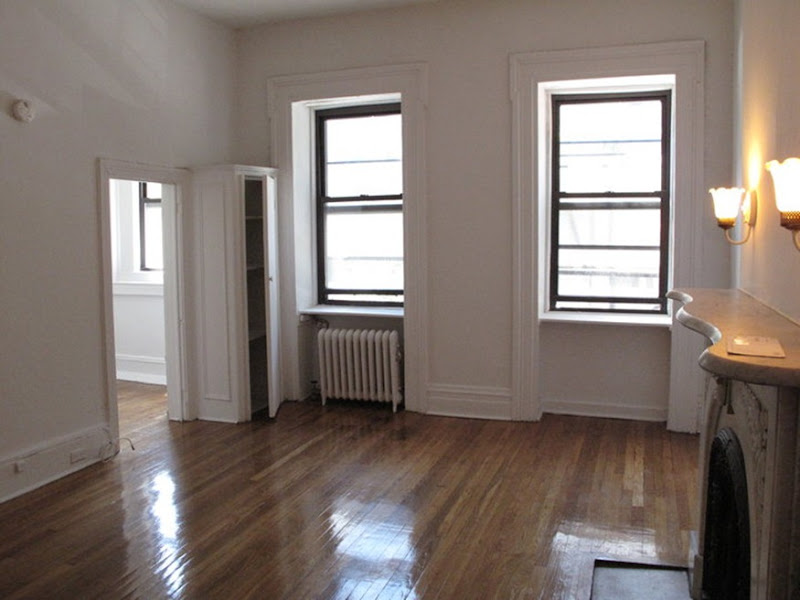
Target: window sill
{"x": 587, "y": 318}
{"x": 354, "y": 311}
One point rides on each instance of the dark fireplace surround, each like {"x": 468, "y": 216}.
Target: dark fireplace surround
{"x": 726, "y": 550}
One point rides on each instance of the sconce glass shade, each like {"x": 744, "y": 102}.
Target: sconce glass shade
{"x": 727, "y": 204}
{"x": 786, "y": 180}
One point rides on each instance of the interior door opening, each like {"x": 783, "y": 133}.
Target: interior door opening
{"x": 142, "y": 284}
{"x": 137, "y": 259}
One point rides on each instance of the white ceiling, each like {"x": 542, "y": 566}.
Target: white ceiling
{"x": 241, "y": 13}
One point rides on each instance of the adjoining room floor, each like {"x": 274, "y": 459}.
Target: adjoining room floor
{"x": 352, "y": 501}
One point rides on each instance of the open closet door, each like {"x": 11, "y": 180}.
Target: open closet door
{"x": 275, "y": 394}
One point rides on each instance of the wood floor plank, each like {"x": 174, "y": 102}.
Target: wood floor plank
{"x": 354, "y": 502}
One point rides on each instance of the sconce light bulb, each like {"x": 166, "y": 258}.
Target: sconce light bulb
{"x": 786, "y": 181}
{"x": 727, "y": 204}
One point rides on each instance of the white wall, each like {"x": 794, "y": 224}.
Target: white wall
{"x": 768, "y": 120}
{"x": 139, "y": 333}
{"x": 137, "y": 80}
{"x": 466, "y": 45}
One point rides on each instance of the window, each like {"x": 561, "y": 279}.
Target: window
{"x": 360, "y": 205}
{"x": 610, "y": 202}
{"x": 151, "y": 253}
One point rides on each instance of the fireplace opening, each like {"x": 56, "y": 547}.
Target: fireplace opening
{"x": 726, "y": 552}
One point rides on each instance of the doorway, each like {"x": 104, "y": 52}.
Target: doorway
{"x": 151, "y": 275}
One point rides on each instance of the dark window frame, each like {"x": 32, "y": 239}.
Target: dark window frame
{"x": 144, "y": 200}
{"x": 366, "y": 203}
{"x": 661, "y": 199}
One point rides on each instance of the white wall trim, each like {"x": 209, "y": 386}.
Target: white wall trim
{"x": 528, "y": 70}
{"x": 603, "y": 410}
{"x": 287, "y": 99}
{"x": 144, "y": 369}
{"x": 138, "y": 289}
{"x": 43, "y": 463}
{"x": 476, "y": 402}
{"x": 174, "y": 295}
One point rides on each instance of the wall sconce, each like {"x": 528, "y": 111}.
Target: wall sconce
{"x": 786, "y": 180}
{"x": 728, "y": 203}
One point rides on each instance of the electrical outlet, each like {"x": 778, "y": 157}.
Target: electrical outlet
{"x": 77, "y": 455}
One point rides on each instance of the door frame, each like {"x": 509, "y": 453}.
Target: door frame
{"x": 174, "y": 291}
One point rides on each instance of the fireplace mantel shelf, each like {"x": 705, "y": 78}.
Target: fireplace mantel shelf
{"x": 720, "y": 314}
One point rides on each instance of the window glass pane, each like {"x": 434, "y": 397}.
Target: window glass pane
{"x": 153, "y": 244}
{"x": 615, "y": 227}
{"x": 364, "y": 156}
{"x": 610, "y": 146}
{"x": 152, "y": 190}
{"x": 364, "y": 246}
{"x": 618, "y": 273}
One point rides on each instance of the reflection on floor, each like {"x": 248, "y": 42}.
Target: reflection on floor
{"x": 629, "y": 581}
{"x": 350, "y": 501}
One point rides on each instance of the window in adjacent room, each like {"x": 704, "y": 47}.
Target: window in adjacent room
{"x": 151, "y": 252}
{"x": 360, "y": 205}
{"x": 610, "y": 202}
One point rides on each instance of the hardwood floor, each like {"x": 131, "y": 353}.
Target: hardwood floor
{"x": 351, "y": 501}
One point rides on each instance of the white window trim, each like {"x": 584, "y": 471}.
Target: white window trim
{"x": 322, "y": 310}
{"x": 290, "y": 101}
{"x": 684, "y": 60}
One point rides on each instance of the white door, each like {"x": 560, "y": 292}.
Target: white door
{"x": 273, "y": 307}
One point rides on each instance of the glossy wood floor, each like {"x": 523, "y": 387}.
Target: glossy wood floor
{"x": 351, "y": 501}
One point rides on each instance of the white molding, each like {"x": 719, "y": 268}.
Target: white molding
{"x": 475, "y": 402}
{"x": 137, "y": 288}
{"x": 685, "y": 60}
{"x": 288, "y": 94}
{"x": 615, "y": 319}
{"x": 174, "y": 287}
{"x": 144, "y": 369}
{"x": 686, "y": 381}
{"x": 46, "y": 462}
{"x": 607, "y": 410}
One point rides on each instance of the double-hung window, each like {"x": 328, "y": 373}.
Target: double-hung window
{"x": 360, "y": 205}
{"x": 151, "y": 251}
{"x": 610, "y": 202}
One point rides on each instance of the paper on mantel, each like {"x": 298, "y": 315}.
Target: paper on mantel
{"x": 755, "y": 345}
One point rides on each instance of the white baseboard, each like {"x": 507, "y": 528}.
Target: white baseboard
{"x": 144, "y": 369}
{"x": 604, "y": 410}
{"x": 469, "y": 401}
{"x": 51, "y": 460}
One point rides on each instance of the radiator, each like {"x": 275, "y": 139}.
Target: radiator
{"x": 357, "y": 364}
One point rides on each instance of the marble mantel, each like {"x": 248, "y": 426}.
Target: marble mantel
{"x": 720, "y": 314}
{"x": 758, "y": 400}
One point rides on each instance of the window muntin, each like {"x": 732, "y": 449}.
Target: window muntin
{"x": 360, "y": 205}
{"x": 610, "y": 202}
{"x": 151, "y": 247}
